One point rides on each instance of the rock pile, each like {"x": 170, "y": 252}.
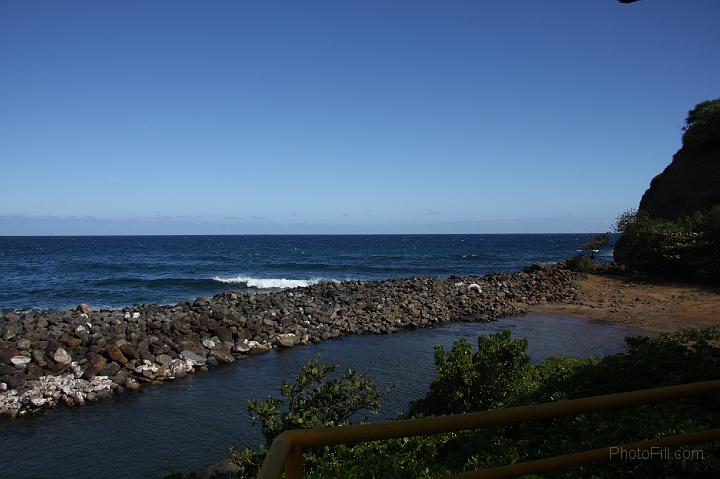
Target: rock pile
{"x": 83, "y": 355}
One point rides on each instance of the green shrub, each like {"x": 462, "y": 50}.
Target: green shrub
{"x": 315, "y": 399}
{"x": 597, "y": 242}
{"x": 473, "y": 381}
{"x": 499, "y": 374}
{"x": 702, "y": 126}
{"x": 686, "y": 247}
{"x": 584, "y": 262}
{"x": 650, "y": 362}
{"x": 581, "y": 263}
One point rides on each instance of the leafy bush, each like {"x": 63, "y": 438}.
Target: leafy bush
{"x": 581, "y": 263}
{"x": 597, "y": 242}
{"x": 468, "y": 381}
{"x": 702, "y": 126}
{"x": 649, "y": 362}
{"x": 686, "y": 247}
{"x": 499, "y": 374}
{"x": 315, "y": 399}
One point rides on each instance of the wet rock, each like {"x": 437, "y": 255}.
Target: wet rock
{"x": 195, "y": 358}
{"x": 242, "y": 347}
{"x": 148, "y": 370}
{"x": 131, "y": 385}
{"x": 222, "y": 355}
{"x": 38, "y": 401}
{"x": 286, "y": 340}
{"x": 84, "y": 308}
{"x": 163, "y": 359}
{"x": 177, "y": 368}
{"x": 259, "y": 348}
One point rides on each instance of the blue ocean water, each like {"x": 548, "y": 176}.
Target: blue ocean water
{"x": 116, "y": 271}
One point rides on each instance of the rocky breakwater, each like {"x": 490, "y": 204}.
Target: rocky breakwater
{"x": 75, "y": 356}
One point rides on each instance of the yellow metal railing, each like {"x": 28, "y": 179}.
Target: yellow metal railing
{"x": 286, "y": 450}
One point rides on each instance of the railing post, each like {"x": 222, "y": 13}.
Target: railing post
{"x": 294, "y": 467}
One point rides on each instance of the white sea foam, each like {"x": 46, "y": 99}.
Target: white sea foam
{"x": 264, "y": 283}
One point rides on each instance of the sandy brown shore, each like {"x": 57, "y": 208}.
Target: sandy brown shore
{"x": 655, "y": 305}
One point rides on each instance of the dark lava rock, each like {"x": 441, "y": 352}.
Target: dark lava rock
{"x": 95, "y": 365}
{"x": 111, "y": 369}
{"x": 6, "y": 355}
{"x": 222, "y": 355}
{"x": 115, "y": 354}
{"x": 152, "y": 343}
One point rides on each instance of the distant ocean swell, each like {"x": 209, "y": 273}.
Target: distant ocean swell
{"x": 235, "y": 281}
{"x": 114, "y": 271}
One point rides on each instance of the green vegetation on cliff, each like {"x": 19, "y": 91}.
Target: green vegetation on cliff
{"x": 702, "y": 125}
{"x": 688, "y": 247}
{"x": 676, "y": 230}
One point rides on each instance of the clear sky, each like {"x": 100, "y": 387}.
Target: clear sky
{"x": 342, "y": 116}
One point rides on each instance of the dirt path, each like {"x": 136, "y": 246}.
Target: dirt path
{"x": 652, "y": 305}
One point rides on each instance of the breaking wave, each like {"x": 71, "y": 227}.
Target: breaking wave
{"x": 267, "y": 283}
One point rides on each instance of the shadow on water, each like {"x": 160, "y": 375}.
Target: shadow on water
{"x": 191, "y": 423}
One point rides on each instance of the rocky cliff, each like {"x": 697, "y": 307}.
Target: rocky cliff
{"x": 690, "y": 183}
{"x": 692, "y": 180}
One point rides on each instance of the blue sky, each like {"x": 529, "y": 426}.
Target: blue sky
{"x": 331, "y": 117}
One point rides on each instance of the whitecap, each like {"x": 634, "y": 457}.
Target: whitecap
{"x": 267, "y": 283}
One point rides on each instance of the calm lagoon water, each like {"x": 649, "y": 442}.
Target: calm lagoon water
{"x": 190, "y": 423}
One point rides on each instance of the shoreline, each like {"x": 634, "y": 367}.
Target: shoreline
{"x": 77, "y": 356}
{"x": 72, "y": 357}
{"x": 655, "y": 305}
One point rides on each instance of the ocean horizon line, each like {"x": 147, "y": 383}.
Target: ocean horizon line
{"x": 297, "y": 234}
